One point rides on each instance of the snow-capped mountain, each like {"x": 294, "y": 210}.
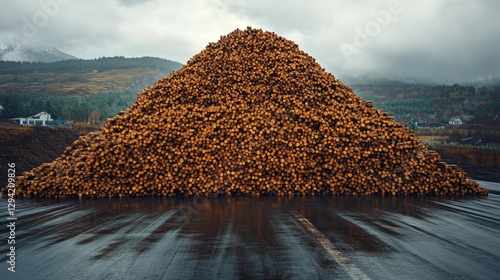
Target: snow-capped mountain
{"x": 14, "y": 48}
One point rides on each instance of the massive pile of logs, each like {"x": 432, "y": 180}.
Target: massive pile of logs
{"x": 250, "y": 114}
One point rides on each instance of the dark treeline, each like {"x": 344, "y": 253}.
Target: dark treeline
{"x": 99, "y": 64}
{"x": 93, "y": 108}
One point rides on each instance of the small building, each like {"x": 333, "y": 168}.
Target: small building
{"x": 42, "y": 118}
{"x": 455, "y": 121}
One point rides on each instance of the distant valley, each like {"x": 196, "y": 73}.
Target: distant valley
{"x": 76, "y": 89}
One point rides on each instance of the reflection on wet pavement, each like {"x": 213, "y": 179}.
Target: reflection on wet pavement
{"x": 257, "y": 238}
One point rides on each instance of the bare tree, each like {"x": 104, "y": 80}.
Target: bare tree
{"x": 95, "y": 117}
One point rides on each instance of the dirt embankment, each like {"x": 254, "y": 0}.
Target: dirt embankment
{"x": 29, "y": 146}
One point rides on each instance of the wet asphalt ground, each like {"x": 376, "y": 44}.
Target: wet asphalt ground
{"x": 255, "y": 238}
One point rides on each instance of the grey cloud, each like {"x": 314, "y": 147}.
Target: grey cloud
{"x": 438, "y": 40}
{"x": 132, "y": 3}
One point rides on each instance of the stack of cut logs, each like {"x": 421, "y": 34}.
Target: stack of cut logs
{"x": 251, "y": 114}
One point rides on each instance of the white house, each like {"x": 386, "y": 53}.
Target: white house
{"x": 41, "y": 118}
{"x": 455, "y": 121}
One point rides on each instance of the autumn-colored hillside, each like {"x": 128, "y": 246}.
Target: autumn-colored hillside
{"x": 83, "y": 77}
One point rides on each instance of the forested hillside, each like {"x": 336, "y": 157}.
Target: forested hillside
{"x": 83, "y": 77}
{"x": 100, "y": 64}
{"x": 80, "y": 90}
{"x": 90, "y": 108}
{"x": 433, "y": 103}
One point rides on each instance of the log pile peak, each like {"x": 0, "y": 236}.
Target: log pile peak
{"x": 250, "y": 114}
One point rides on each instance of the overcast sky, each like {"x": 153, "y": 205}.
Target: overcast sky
{"x": 439, "y": 40}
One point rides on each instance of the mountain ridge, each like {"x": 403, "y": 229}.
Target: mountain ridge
{"x": 14, "y": 48}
